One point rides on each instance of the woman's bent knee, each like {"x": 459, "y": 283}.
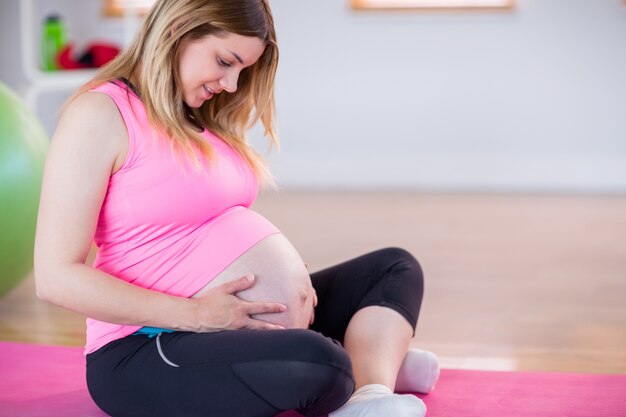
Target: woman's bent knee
{"x": 403, "y": 259}
{"x": 315, "y": 379}
{"x": 312, "y": 346}
{"x": 400, "y": 284}
{"x": 329, "y": 378}
{"x": 402, "y": 265}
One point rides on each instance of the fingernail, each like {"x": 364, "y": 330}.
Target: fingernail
{"x": 250, "y": 277}
{"x": 283, "y": 308}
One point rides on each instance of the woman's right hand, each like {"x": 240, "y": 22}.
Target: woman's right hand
{"x": 221, "y": 309}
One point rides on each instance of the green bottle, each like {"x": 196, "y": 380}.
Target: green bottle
{"x": 52, "y": 40}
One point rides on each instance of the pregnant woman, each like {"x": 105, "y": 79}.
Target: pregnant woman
{"x": 197, "y": 305}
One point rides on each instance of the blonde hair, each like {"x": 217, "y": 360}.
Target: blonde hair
{"x": 154, "y": 55}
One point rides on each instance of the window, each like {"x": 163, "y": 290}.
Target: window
{"x": 118, "y": 7}
{"x": 433, "y": 4}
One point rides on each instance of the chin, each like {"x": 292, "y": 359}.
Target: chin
{"x": 194, "y": 103}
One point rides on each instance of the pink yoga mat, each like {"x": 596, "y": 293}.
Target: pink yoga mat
{"x": 49, "y": 381}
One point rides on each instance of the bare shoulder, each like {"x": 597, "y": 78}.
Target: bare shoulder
{"x": 93, "y": 108}
{"x": 92, "y": 123}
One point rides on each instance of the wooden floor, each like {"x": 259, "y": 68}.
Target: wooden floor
{"x": 528, "y": 282}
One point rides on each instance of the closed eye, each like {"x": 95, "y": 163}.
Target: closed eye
{"x": 223, "y": 63}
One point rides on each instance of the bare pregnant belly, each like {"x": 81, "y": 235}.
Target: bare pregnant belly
{"x": 280, "y": 276}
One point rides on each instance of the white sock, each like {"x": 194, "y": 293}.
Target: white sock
{"x": 376, "y": 400}
{"x": 419, "y": 372}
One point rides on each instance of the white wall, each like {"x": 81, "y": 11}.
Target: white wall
{"x": 529, "y": 100}
{"x": 10, "y": 70}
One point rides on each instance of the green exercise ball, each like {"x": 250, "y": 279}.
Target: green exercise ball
{"x": 23, "y": 146}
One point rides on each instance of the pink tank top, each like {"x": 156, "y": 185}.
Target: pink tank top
{"x": 169, "y": 228}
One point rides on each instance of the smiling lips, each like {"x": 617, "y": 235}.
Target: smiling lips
{"x": 209, "y": 92}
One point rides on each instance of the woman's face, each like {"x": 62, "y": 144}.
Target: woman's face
{"x": 212, "y": 64}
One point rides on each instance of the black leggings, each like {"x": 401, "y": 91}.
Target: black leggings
{"x": 256, "y": 373}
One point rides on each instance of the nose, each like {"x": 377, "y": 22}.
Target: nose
{"x": 229, "y": 81}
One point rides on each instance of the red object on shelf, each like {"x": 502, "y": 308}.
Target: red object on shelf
{"x": 95, "y": 56}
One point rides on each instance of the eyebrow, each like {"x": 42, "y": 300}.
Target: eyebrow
{"x": 236, "y": 56}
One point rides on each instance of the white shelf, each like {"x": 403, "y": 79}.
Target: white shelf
{"x": 60, "y": 80}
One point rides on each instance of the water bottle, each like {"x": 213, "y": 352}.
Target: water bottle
{"x": 52, "y": 40}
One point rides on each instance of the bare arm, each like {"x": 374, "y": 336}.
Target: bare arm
{"x": 83, "y": 153}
